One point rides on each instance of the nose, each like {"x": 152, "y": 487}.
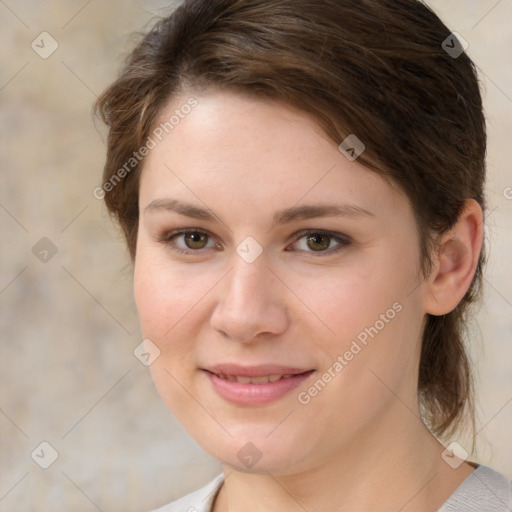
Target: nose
{"x": 251, "y": 303}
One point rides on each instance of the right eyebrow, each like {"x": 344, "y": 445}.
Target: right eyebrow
{"x": 186, "y": 209}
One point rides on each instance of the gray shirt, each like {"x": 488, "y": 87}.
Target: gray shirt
{"x": 484, "y": 490}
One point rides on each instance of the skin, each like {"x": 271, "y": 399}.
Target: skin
{"x": 359, "y": 443}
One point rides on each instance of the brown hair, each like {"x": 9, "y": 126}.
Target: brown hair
{"x": 376, "y": 69}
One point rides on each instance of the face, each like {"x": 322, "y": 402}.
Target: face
{"x": 278, "y": 280}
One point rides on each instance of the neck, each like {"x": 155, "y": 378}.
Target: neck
{"x": 385, "y": 468}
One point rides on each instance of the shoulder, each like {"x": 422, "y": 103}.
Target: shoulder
{"x": 484, "y": 489}
{"x": 200, "y": 500}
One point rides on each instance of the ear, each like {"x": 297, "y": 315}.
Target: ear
{"x": 456, "y": 261}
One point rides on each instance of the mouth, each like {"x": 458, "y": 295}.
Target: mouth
{"x": 265, "y": 379}
{"x": 255, "y": 385}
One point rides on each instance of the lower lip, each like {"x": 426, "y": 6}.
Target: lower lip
{"x": 255, "y": 394}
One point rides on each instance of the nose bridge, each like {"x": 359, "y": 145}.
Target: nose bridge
{"x": 248, "y": 285}
{"x": 249, "y": 302}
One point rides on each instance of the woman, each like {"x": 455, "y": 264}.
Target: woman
{"x": 300, "y": 185}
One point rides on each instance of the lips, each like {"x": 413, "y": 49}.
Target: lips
{"x": 264, "y": 370}
{"x": 255, "y": 385}
{"x": 265, "y": 379}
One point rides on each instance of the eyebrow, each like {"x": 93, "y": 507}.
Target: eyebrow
{"x": 281, "y": 217}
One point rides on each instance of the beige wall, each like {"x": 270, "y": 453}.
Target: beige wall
{"x": 68, "y": 325}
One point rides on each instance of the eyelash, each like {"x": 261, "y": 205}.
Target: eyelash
{"x": 343, "y": 240}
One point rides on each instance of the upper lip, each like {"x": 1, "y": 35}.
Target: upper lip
{"x": 255, "y": 371}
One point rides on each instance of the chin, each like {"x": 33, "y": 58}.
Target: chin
{"x": 252, "y": 450}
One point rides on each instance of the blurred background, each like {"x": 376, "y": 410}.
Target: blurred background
{"x": 69, "y": 377}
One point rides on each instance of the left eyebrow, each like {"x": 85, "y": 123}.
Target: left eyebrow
{"x": 281, "y": 217}
{"x": 325, "y": 210}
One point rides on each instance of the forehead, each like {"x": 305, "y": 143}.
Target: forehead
{"x": 243, "y": 150}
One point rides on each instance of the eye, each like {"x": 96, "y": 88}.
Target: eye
{"x": 322, "y": 242}
{"x": 192, "y": 240}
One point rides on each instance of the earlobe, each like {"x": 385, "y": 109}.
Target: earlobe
{"x": 456, "y": 262}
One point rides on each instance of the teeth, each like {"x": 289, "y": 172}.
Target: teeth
{"x": 254, "y": 380}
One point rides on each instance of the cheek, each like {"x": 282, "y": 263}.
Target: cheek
{"x": 351, "y": 299}
{"x": 165, "y": 300}
{"x": 371, "y": 361}
{"x": 169, "y": 299}
{"x": 153, "y": 305}
{"x": 371, "y": 319}
{"x": 160, "y": 294}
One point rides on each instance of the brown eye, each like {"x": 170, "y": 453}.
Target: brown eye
{"x": 189, "y": 241}
{"x": 195, "y": 240}
{"x": 322, "y": 243}
{"x": 318, "y": 242}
